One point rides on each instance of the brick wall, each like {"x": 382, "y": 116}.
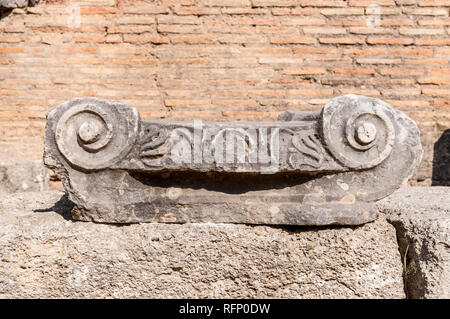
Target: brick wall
{"x": 223, "y": 60}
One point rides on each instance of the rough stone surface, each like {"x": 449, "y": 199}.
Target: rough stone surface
{"x": 11, "y": 4}
{"x": 23, "y": 176}
{"x": 43, "y": 253}
{"x": 421, "y": 216}
{"x": 305, "y": 169}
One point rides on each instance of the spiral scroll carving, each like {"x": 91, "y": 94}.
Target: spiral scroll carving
{"x": 359, "y": 133}
{"x": 95, "y": 134}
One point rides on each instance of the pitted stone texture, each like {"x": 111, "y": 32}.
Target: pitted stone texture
{"x": 421, "y": 216}
{"x": 23, "y": 176}
{"x": 11, "y": 4}
{"x": 43, "y": 254}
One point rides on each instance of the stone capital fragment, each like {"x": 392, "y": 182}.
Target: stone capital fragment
{"x": 315, "y": 168}
{"x": 12, "y": 4}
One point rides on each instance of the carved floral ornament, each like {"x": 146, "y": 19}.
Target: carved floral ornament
{"x": 352, "y": 137}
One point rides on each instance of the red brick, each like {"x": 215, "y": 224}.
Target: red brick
{"x": 135, "y": 19}
{"x": 411, "y": 103}
{"x": 312, "y": 50}
{"x": 91, "y": 39}
{"x": 145, "y": 38}
{"x": 176, "y": 102}
{"x": 147, "y": 61}
{"x": 274, "y": 3}
{"x": 234, "y": 102}
{"x": 421, "y": 31}
{"x": 251, "y": 114}
{"x": 434, "y": 3}
{"x": 367, "y": 92}
{"x": 295, "y": 21}
{"x": 174, "y": 19}
{"x": 411, "y": 51}
{"x": 366, "y": 3}
{"x": 392, "y": 41}
{"x": 342, "y": 11}
{"x": 4, "y": 92}
{"x": 276, "y": 30}
{"x": 435, "y": 91}
{"x": 168, "y": 28}
{"x": 195, "y": 11}
{"x": 98, "y": 10}
{"x": 280, "y": 61}
{"x": 243, "y": 11}
{"x": 324, "y": 30}
{"x": 226, "y": 3}
{"x": 281, "y": 11}
{"x": 255, "y": 21}
{"x": 77, "y": 60}
{"x": 354, "y": 71}
{"x": 402, "y": 72}
{"x": 142, "y": 7}
{"x": 79, "y": 50}
{"x": 378, "y": 61}
{"x": 11, "y": 38}
{"x": 295, "y": 82}
{"x": 357, "y": 22}
{"x": 131, "y": 29}
{"x": 239, "y": 39}
{"x": 345, "y": 40}
{"x": 367, "y": 52}
{"x": 191, "y": 40}
{"x": 426, "y": 61}
{"x": 322, "y": 3}
{"x": 231, "y": 82}
{"x": 434, "y": 80}
{"x": 383, "y": 11}
{"x": 300, "y": 71}
{"x": 401, "y": 92}
{"x": 310, "y": 92}
{"x": 11, "y": 50}
{"x": 266, "y": 92}
{"x": 292, "y": 40}
{"x": 434, "y": 22}
{"x": 365, "y": 30}
{"x": 441, "y": 102}
{"x": 440, "y": 72}
{"x": 396, "y": 22}
{"x": 443, "y": 51}
{"x": 426, "y": 11}
{"x": 433, "y": 41}
{"x": 303, "y": 12}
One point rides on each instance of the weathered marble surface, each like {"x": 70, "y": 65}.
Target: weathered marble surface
{"x": 305, "y": 169}
{"x": 11, "y": 4}
{"x": 421, "y": 216}
{"x": 23, "y": 176}
{"x": 45, "y": 254}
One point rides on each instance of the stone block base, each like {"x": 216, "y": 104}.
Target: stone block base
{"x": 43, "y": 253}
{"x": 421, "y": 216}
